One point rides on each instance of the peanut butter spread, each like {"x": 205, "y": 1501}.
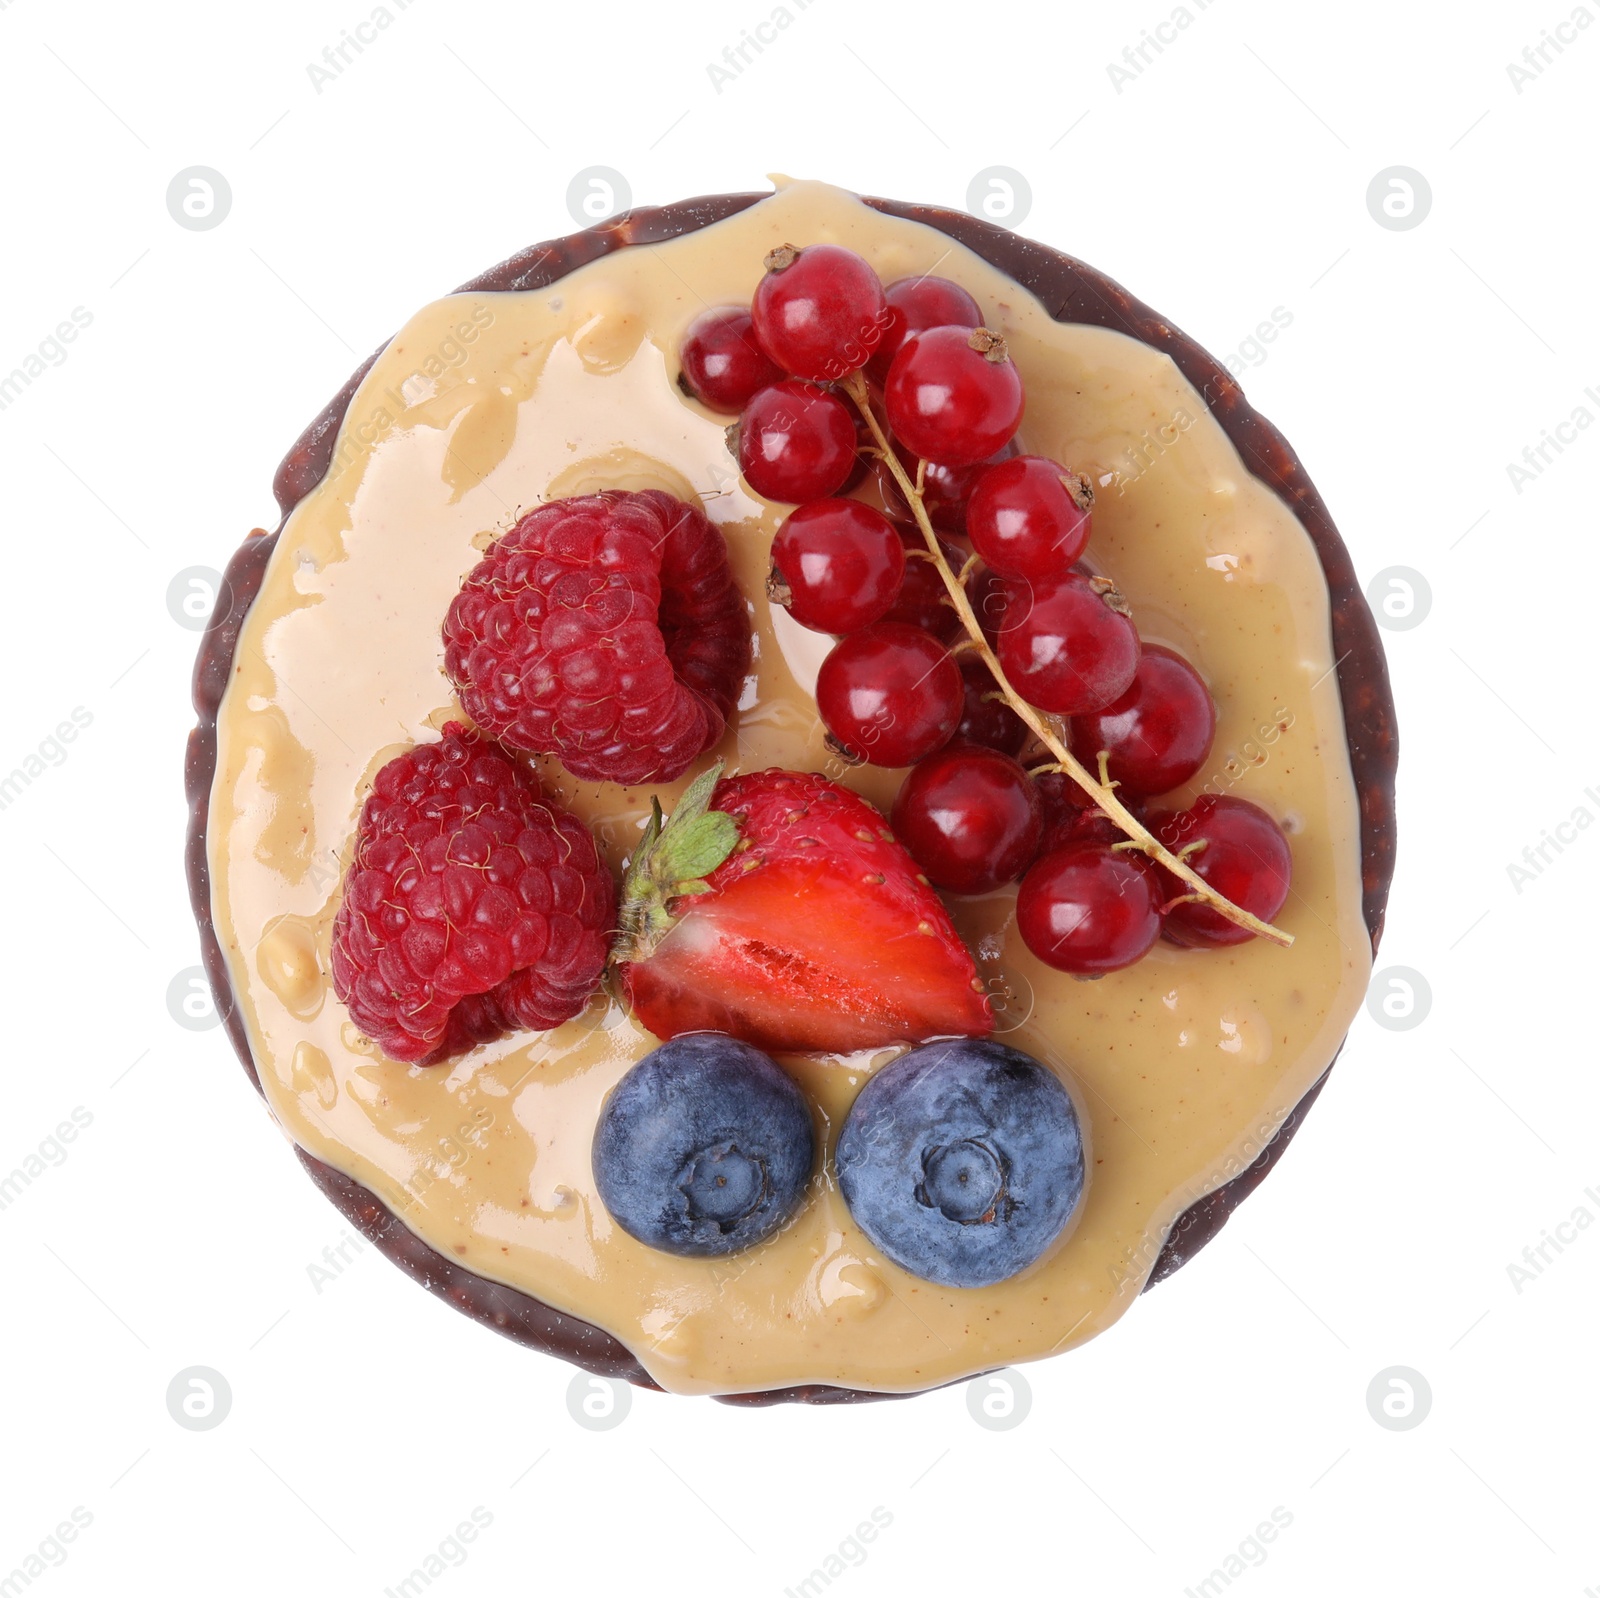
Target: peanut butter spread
{"x": 1182, "y": 1066}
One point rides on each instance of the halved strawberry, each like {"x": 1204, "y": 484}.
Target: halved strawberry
{"x": 777, "y": 907}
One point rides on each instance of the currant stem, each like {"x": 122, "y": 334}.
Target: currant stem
{"x": 1101, "y": 796}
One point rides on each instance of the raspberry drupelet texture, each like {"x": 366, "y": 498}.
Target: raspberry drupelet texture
{"x": 606, "y": 630}
{"x": 472, "y": 906}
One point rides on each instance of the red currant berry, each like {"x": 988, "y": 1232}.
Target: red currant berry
{"x": 723, "y": 366}
{"x": 915, "y": 305}
{"x": 1068, "y": 815}
{"x": 1029, "y": 517}
{"x": 866, "y": 455}
{"x": 986, "y": 593}
{"x": 1090, "y": 909}
{"x": 953, "y": 396}
{"x": 1067, "y": 647}
{"x": 836, "y": 565}
{"x": 945, "y": 489}
{"x": 969, "y": 818}
{"x": 1245, "y": 859}
{"x": 1157, "y": 735}
{"x": 889, "y": 694}
{"x": 796, "y": 443}
{"x": 819, "y": 312}
{"x": 987, "y": 719}
{"x": 923, "y": 600}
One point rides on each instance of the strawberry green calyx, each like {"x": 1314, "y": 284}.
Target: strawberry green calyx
{"x": 818, "y": 934}
{"x": 673, "y": 860}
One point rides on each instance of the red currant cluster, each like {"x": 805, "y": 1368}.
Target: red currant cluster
{"x": 940, "y": 390}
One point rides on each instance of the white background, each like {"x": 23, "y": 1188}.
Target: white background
{"x": 1227, "y": 179}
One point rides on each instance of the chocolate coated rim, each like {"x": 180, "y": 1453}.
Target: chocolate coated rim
{"x": 1071, "y": 292}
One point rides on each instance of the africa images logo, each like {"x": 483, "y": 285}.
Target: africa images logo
{"x": 51, "y": 350}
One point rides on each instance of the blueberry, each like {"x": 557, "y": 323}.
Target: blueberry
{"x": 704, "y": 1147}
{"x": 962, "y": 1161}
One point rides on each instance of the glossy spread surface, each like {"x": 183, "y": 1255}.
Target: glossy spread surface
{"x": 1182, "y": 1066}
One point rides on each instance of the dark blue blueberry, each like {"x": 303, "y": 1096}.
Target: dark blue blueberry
{"x": 704, "y": 1147}
{"x": 962, "y": 1161}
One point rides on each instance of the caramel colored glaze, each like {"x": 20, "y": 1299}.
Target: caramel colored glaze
{"x": 1183, "y": 1067}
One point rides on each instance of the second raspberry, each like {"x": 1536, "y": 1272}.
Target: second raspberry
{"x": 606, "y": 630}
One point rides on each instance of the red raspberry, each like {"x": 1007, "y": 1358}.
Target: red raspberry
{"x": 472, "y": 907}
{"x": 605, "y": 630}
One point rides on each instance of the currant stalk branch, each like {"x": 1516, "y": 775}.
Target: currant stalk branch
{"x": 1102, "y": 795}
